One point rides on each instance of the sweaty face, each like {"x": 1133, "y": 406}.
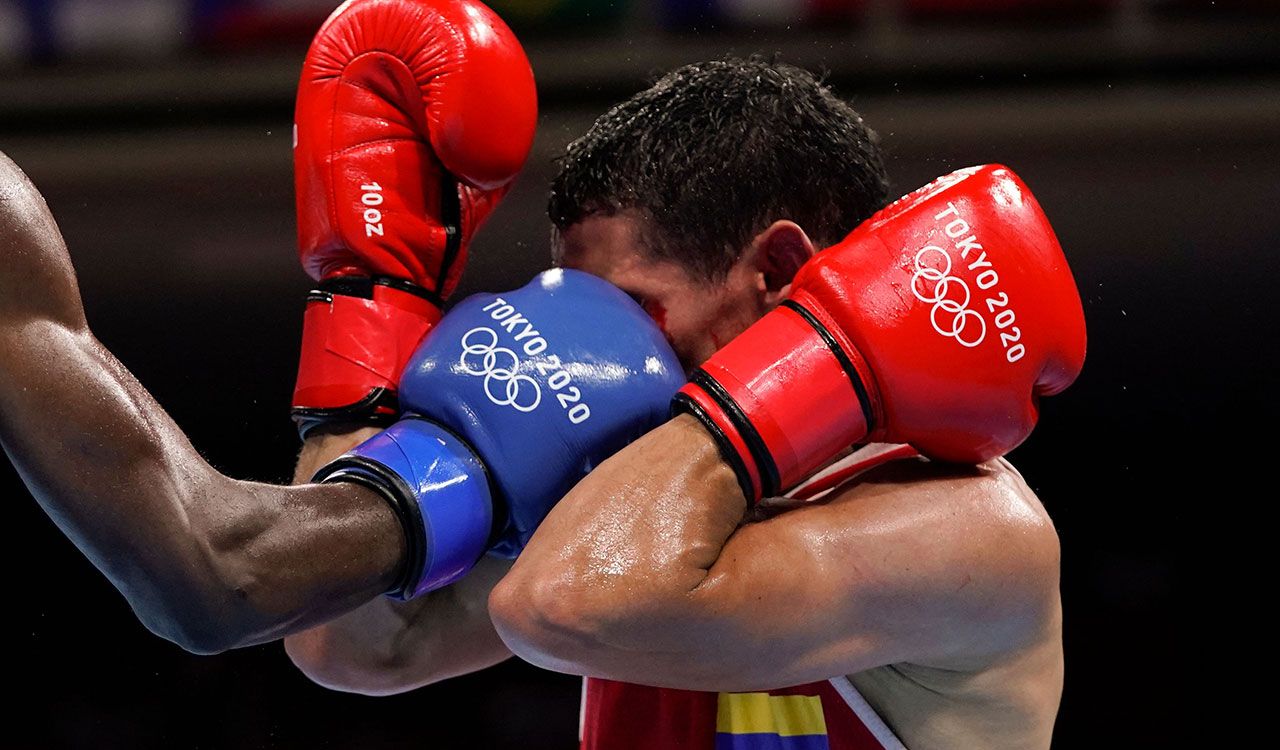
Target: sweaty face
{"x": 697, "y": 316}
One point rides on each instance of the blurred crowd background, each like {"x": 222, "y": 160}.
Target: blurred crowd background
{"x": 48, "y": 30}
{"x": 159, "y": 131}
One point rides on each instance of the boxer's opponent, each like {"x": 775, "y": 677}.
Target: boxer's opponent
{"x": 498, "y": 422}
{"x": 511, "y": 400}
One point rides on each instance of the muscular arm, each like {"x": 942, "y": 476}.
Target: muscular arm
{"x": 647, "y": 573}
{"x": 204, "y": 560}
{"x": 387, "y": 646}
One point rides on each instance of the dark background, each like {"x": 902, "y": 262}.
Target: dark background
{"x": 1149, "y": 131}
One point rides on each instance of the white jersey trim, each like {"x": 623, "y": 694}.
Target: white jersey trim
{"x": 863, "y": 459}
{"x": 866, "y": 714}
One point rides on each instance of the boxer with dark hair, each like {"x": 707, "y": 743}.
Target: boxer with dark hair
{"x": 713, "y": 153}
{"x": 924, "y": 594}
{"x": 821, "y": 549}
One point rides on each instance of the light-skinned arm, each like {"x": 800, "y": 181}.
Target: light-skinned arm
{"x": 649, "y": 573}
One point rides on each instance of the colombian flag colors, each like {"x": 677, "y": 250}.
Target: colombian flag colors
{"x": 760, "y": 721}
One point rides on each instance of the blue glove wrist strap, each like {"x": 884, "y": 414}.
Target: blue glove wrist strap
{"x": 439, "y": 491}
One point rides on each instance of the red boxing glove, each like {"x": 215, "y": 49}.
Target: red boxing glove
{"x": 938, "y": 322}
{"x": 413, "y": 119}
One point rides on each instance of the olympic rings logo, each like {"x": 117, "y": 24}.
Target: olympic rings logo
{"x": 949, "y": 296}
{"x": 498, "y": 365}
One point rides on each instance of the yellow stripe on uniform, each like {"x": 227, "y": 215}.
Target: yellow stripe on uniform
{"x": 761, "y": 713}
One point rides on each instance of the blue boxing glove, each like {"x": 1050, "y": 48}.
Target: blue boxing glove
{"x": 508, "y": 402}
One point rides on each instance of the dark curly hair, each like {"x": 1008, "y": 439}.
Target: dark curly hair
{"x": 715, "y": 152}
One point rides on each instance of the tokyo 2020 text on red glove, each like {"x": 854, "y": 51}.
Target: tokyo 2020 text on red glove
{"x": 939, "y": 322}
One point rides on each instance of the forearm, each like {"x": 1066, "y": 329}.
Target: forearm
{"x": 204, "y": 560}
{"x": 636, "y": 540}
{"x": 367, "y": 650}
{"x": 645, "y": 573}
{"x": 387, "y": 646}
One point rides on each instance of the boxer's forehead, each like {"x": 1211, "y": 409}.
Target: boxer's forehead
{"x": 610, "y": 246}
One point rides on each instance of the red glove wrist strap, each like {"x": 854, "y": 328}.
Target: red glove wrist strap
{"x": 695, "y": 399}
{"x": 783, "y": 397}
{"x": 358, "y": 334}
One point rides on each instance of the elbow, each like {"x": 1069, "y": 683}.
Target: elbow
{"x": 552, "y": 623}
{"x": 201, "y": 608}
{"x": 183, "y": 588}
{"x": 198, "y": 629}
{"x": 324, "y": 657}
{"x": 628, "y": 631}
{"x": 203, "y": 643}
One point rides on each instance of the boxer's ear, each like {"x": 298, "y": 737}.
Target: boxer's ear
{"x": 777, "y": 253}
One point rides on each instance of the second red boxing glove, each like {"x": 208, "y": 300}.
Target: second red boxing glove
{"x": 938, "y": 322}
{"x": 413, "y": 119}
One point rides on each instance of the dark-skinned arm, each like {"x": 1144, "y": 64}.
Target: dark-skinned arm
{"x": 206, "y": 561}
{"x": 648, "y": 573}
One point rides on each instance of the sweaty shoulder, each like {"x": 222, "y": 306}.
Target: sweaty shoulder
{"x": 968, "y": 553}
{"x": 975, "y": 563}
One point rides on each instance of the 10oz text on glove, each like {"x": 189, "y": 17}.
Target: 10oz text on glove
{"x": 372, "y": 198}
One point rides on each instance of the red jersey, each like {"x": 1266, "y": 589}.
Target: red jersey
{"x": 828, "y": 715}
